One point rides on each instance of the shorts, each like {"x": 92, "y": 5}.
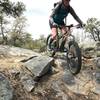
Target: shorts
{"x": 54, "y": 24}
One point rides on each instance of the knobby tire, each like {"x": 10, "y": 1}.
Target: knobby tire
{"x": 78, "y": 53}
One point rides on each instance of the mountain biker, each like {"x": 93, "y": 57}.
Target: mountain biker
{"x": 59, "y": 13}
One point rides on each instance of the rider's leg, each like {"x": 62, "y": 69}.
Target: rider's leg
{"x": 64, "y": 31}
{"x": 53, "y": 27}
{"x": 53, "y": 32}
{"x": 53, "y": 37}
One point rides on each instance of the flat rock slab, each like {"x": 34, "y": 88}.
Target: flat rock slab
{"x": 9, "y": 51}
{"x": 28, "y": 83}
{"x": 6, "y": 91}
{"x": 81, "y": 84}
{"x": 85, "y": 82}
{"x": 97, "y": 61}
{"x": 39, "y": 65}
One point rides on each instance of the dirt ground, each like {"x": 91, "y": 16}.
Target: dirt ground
{"x": 46, "y": 92}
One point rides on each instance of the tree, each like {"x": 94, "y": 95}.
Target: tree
{"x": 18, "y": 27}
{"x": 11, "y": 8}
{"x": 8, "y": 8}
{"x": 93, "y": 27}
{"x": 18, "y": 35}
{"x": 18, "y": 32}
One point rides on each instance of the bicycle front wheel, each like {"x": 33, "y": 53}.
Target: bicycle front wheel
{"x": 50, "y": 46}
{"x": 74, "y": 58}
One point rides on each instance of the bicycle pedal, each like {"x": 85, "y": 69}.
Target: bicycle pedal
{"x": 70, "y": 55}
{"x": 65, "y": 50}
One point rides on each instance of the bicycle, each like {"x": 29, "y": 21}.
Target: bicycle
{"x": 66, "y": 43}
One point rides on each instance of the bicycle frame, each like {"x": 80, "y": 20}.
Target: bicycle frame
{"x": 67, "y": 36}
{"x": 69, "y": 46}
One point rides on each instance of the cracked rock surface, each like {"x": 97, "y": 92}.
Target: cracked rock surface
{"x": 55, "y": 83}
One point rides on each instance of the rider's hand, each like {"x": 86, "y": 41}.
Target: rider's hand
{"x": 81, "y": 25}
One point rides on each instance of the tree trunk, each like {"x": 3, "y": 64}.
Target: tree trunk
{"x": 2, "y": 32}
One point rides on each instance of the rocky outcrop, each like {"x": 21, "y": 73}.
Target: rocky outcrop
{"x": 6, "y": 91}
{"x": 91, "y": 50}
{"x": 39, "y": 66}
{"x": 10, "y": 51}
{"x": 82, "y": 83}
{"x": 31, "y": 76}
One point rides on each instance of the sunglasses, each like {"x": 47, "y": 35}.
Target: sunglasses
{"x": 67, "y": 0}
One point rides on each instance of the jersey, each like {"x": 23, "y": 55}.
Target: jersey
{"x": 60, "y": 12}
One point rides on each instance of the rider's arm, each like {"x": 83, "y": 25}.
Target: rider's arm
{"x": 72, "y": 12}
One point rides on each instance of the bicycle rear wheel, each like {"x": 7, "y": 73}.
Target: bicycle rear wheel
{"x": 74, "y": 58}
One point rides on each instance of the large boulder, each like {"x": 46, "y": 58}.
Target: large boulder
{"x": 60, "y": 84}
{"x": 9, "y": 51}
{"x": 39, "y": 65}
{"x": 6, "y": 91}
{"x": 97, "y": 76}
{"x": 91, "y": 50}
{"x": 28, "y": 83}
{"x": 97, "y": 48}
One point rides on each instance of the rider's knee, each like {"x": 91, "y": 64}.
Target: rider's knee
{"x": 54, "y": 32}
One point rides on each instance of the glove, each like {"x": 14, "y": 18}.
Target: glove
{"x": 82, "y": 25}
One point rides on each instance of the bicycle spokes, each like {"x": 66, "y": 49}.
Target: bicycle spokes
{"x": 74, "y": 58}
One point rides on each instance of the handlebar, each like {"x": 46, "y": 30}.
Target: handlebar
{"x": 76, "y": 26}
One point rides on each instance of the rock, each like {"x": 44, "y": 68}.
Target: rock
{"x": 87, "y": 44}
{"x": 81, "y": 83}
{"x": 68, "y": 78}
{"x": 9, "y": 51}
{"x": 57, "y": 88}
{"x": 91, "y": 50}
{"x": 97, "y": 76}
{"x": 28, "y": 83}
{"x": 14, "y": 73}
{"x": 97, "y": 48}
{"x": 39, "y": 66}
{"x": 98, "y": 62}
{"x": 97, "y": 88}
{"x": 88, "y": 53}
{"x": 58, "y": 85}
{"x": 6, "y": 91}
{"x": 61, "y": 64}
{"x": 15, "y": 51}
